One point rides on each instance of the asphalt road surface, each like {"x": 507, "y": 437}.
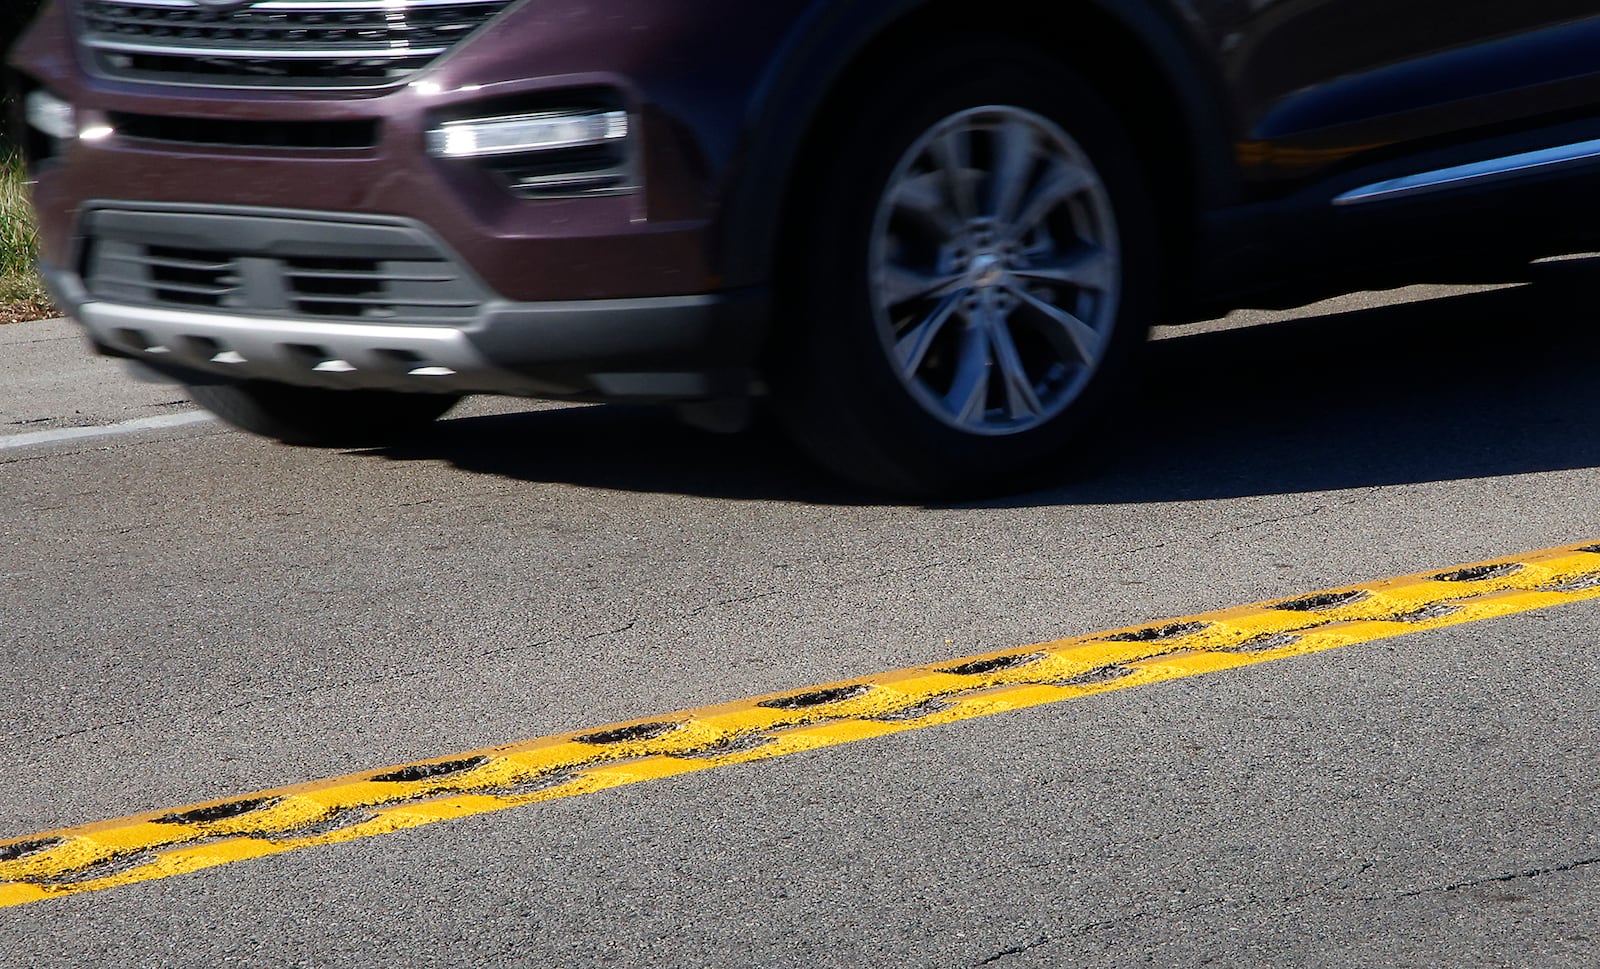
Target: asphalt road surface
{"x": 190, "y": 614}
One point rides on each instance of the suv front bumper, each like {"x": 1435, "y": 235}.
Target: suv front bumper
{"x": 336, "y": 301}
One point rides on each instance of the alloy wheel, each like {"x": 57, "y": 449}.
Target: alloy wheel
{"x": 995, "y": 270}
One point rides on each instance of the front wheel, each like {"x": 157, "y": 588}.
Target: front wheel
{"x": 321, "y": 418}
{"x": 971, "y": 277}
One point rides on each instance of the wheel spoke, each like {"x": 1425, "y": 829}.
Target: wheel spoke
{"x": 1014, "y": 146}
{"x": 1060, "y": 183}
{"x": 952, "y": 150}
{"x": 923, "y": 197}
{"x": 1022, "y": 401}
{"x": 968, "y": 397}
{"x": 1070, "y": 335}
{"x": 1092, "y": 268}
{"x": 900, "y": 284}
{"x": 912, "y": 347}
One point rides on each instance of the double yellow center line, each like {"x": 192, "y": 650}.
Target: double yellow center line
{"x": 175, "y": 841}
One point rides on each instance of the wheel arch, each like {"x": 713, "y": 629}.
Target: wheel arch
{"x": 1142, "y": 56}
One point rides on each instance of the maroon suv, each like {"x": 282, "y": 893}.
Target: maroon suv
{"x": 932, "y": 231}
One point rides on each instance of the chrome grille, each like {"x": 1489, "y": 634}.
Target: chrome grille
{"x": 277, "y": 43}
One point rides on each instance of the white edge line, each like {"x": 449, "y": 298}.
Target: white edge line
{"x": 14, "y": 441}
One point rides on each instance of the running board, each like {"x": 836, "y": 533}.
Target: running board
{"x": 1483, "y": 171}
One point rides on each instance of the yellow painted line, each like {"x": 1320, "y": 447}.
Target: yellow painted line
{"x": 176, "y": 841}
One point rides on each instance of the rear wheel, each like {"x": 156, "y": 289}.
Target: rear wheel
{"x": 321, "y": 418}
{"x": 974, "y": 277}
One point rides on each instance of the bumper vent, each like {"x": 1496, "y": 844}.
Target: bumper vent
{"x": 277, "y": 43}
{"x": 209, "y": 132}
{"x": 272, "y": 266}
{"x": 167, "y": 275}
{"x": 370, "y": 289}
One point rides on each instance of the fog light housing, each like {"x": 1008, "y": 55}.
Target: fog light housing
{"x": 544, "y": 154}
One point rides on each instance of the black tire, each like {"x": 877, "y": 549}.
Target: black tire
{"x": 315, "y": 417}
{"x": 833, "y": 381}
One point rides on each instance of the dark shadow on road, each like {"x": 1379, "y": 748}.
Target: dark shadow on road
{"x": 1487, "y": 384}
{"x": 1483, "y": 385}
{"x": 629, "y": 448}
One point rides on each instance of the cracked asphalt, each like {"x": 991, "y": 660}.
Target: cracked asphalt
{"x": 188, "y": 613}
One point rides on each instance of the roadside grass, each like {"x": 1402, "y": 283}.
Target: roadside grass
{"x": 22, "y": 296}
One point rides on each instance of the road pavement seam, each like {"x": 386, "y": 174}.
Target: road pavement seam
{"x": 175, "y": 841}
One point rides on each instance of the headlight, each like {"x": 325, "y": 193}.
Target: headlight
{"x": 50, "y": 115}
